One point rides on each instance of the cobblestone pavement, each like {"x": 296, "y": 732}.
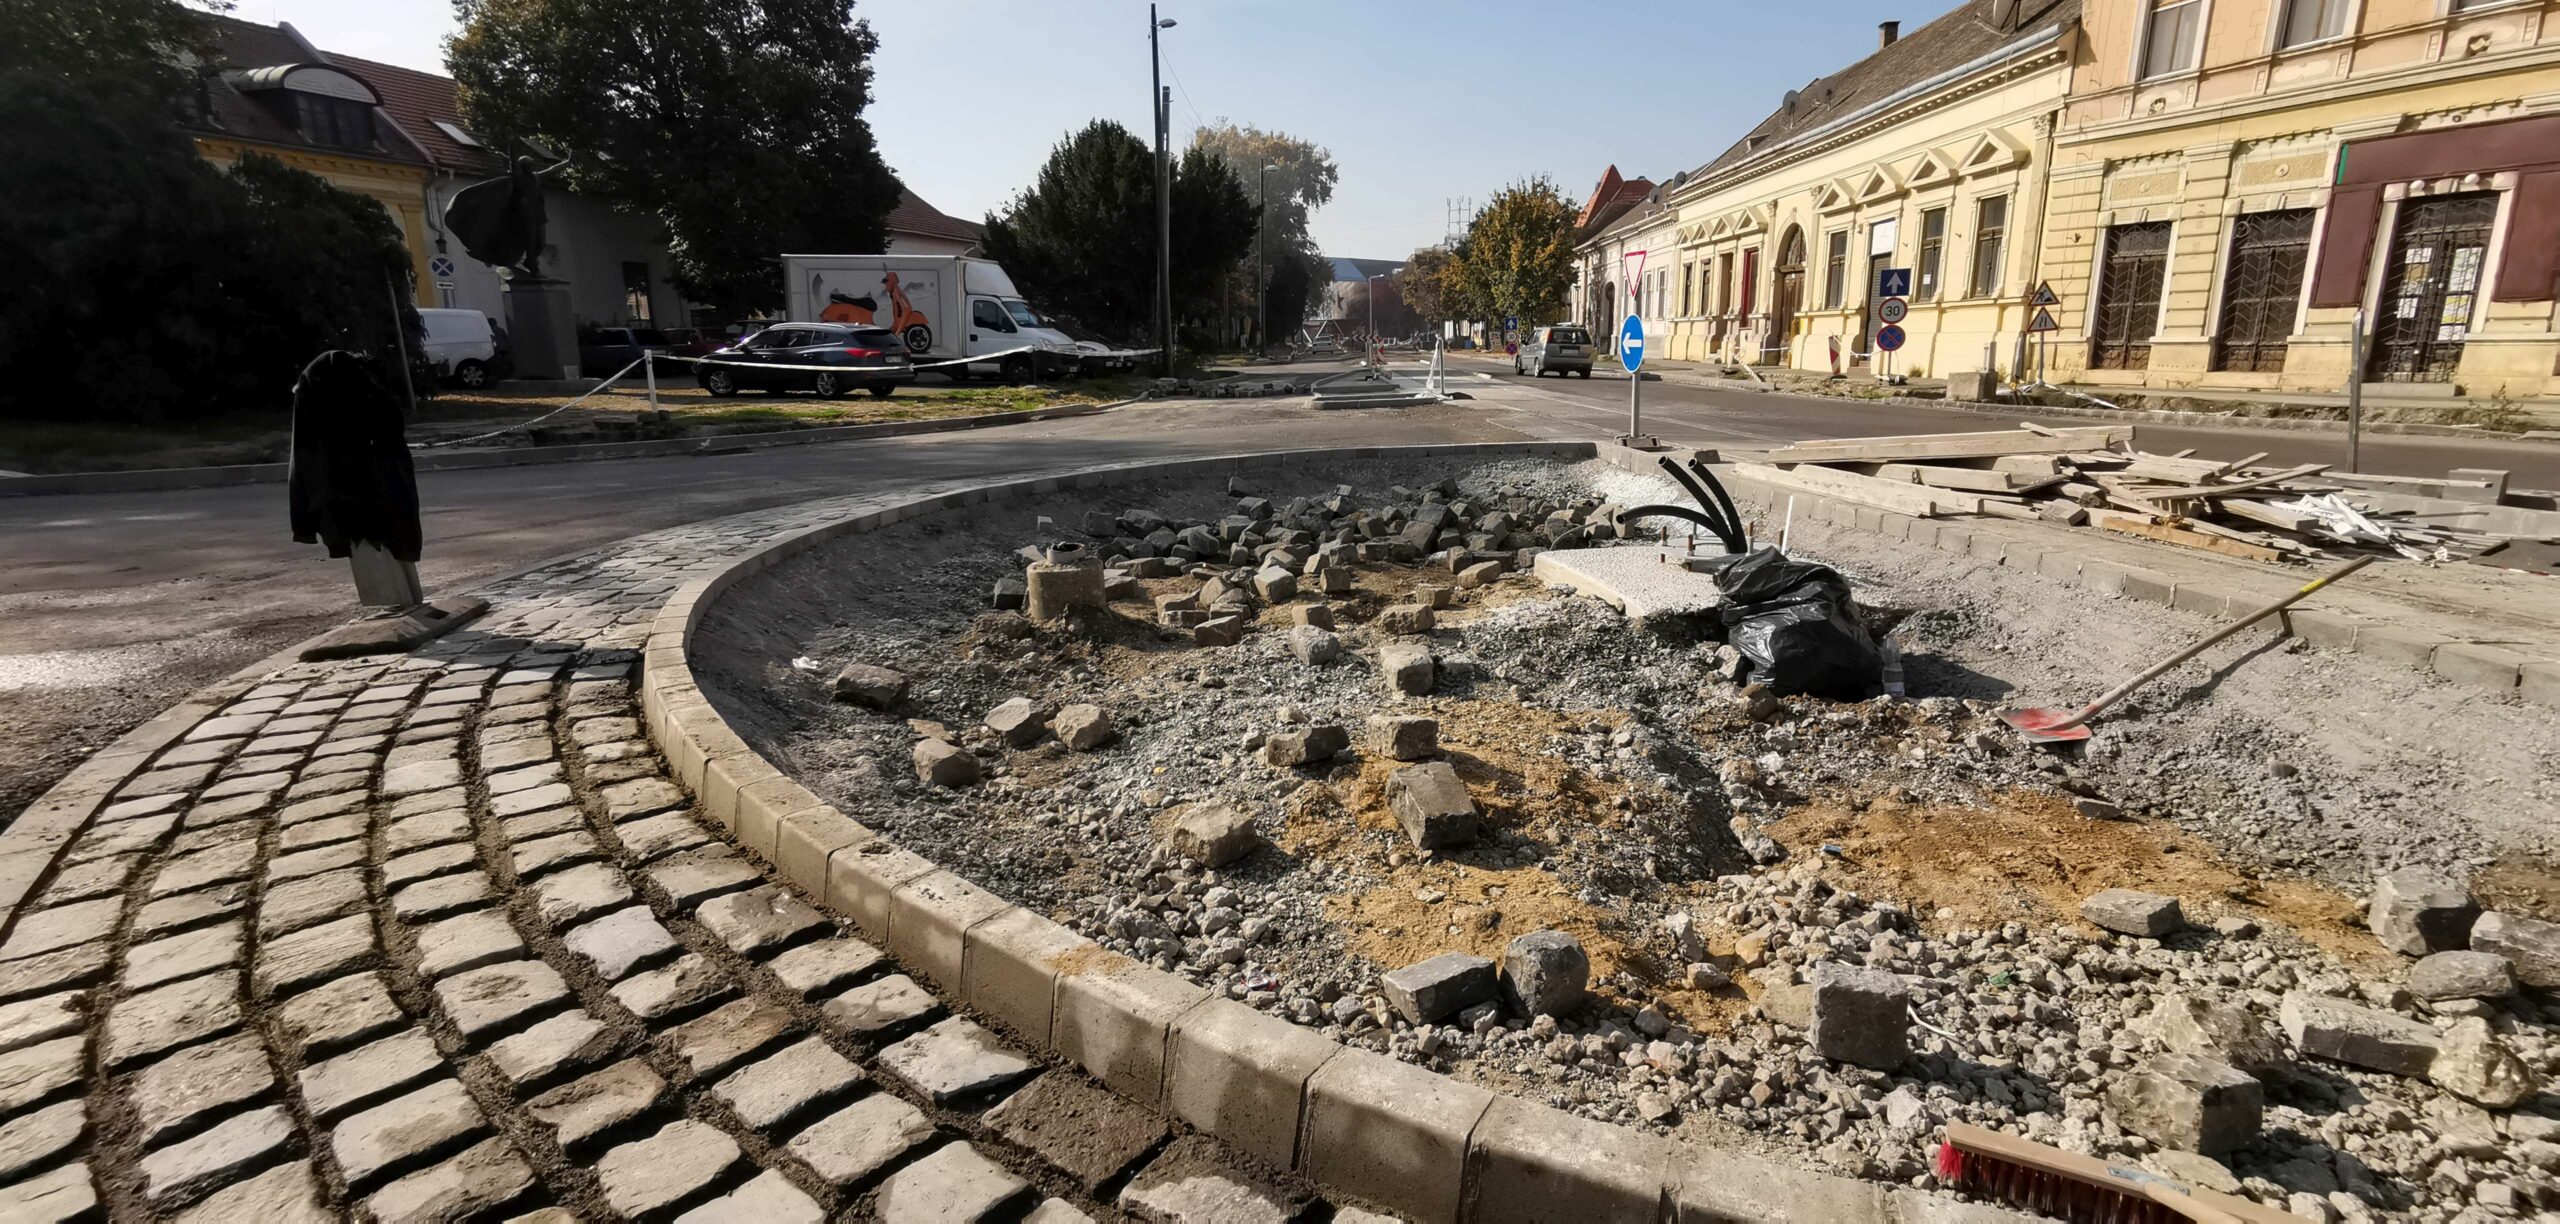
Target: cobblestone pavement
{"x": 435, "y": 937}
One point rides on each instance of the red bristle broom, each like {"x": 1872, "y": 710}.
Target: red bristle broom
{"x": 2079, "y": 1189}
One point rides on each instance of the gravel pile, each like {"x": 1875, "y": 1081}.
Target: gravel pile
{"x": 1714, "y": 847}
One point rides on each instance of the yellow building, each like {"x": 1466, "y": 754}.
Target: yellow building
{"x": 2236, "y": 181}
{"x": 278, "y": 95}
{"x": 1928, "y": 155}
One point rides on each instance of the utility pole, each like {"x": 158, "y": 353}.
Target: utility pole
{"x": 1161, "y": 101}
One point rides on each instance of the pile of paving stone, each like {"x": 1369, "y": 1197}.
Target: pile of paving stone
{"x": 1142, "y": 809}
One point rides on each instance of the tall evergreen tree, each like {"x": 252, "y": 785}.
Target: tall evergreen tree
{"x": 1081, "y": 240}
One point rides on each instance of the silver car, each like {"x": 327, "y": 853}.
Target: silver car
{"x": 1564, "y": 349}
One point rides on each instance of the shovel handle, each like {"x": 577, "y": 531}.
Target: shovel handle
{"x": 2117, "y": 693}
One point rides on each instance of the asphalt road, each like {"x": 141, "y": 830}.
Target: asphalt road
{"x": 114, "y": 606}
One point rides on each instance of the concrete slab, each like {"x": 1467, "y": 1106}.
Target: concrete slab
{"x": 1641, "y": 580}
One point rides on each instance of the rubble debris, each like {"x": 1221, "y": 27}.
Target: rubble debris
{"x": 1020, "y": 721}
{"x": 2195, "y": 1104}
{"x": 1314, "y": 646}
{"x": 2127, "y": 912}
{"x": 1423, "y": 993}
{"x": 1214, "y": 835}
{"x": 2531, "y": 945}
{"x": 1312, "y": 746}
{"x": 1068, "y": 579}
{"x": 1545, "y": 973}
{"x": 1083, "y": 727}
{"x": 2193, "y": 1025}
{"x": 1432, "y": 805}
{"x": 1404, "y": 737}
{"x": 2097, "y": 477}
{"x": 1638, "y": 800}
{"x": 2358, "y": 1036}
{"x": 1406, "y": 618}
{"x": 943, "y": 763}
{"x": 1407, "y": 667}
{"x": 868, "y": 685}
{"x": 2473, "y": 1063}
{"x": 2416, "y": 911}
{"x": 2439, "y": 976}
{"x": 1220, "y": 631}
{"x": 1275, "y": 585}
{"x": 1860, "y": 1015}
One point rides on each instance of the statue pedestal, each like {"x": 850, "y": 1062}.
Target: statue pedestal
{"x": 544, "y": 332}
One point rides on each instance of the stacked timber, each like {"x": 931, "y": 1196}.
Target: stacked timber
{"x": 2097, "y": 477}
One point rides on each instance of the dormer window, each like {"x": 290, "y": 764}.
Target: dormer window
{"x": 322, "y": 104}
{"x": 338, "y": 123}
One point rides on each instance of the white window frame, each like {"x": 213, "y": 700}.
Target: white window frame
{"x": 2142, "y": 40}
{"x": 2282, "y": 10}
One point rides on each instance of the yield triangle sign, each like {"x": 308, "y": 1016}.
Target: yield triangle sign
{"x": 2043, "y": 296}
{"x": 1635, "y": 266}
{"x": 2043, "y": 322}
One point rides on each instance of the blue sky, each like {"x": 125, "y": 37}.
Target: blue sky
{"x": 1419, "y": 102}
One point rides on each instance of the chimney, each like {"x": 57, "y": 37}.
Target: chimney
{"x": 1886, "y": 32}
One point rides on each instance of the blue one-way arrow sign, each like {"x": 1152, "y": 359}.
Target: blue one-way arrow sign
{"x": 1631, "y": 344}
{"x": 1893, "y": 282}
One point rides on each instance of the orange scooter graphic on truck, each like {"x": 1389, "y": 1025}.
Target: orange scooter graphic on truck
{"x": 910, "y": 323}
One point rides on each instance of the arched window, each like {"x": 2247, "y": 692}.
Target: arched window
{"x": 1791, "y": 254}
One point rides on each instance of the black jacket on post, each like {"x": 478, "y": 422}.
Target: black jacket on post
{"x": 350, "y": 478}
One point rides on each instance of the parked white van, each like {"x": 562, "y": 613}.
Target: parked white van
{"x": 944, "y": 307}
{"x": 462, "y": 345}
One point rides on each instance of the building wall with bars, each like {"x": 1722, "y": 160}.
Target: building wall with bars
{"x": 2265, "y": 164}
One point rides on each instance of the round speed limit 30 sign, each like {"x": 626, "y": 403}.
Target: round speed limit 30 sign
{"x": 1893, "y": 310}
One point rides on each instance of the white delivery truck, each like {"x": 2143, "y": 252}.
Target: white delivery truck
{"x": 946, "y": 307}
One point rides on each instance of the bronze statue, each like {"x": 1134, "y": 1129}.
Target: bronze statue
{"x": 500, "y": 220}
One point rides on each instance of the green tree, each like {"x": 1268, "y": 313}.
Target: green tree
{"x": 1517, "y": 257}
{"x": 110, "y": 219}
{"x": 1081, "y": 240}
{"x": 739, "y": 123}
{"x": 1297, "y": 283}
{"x": 139, "y": 43}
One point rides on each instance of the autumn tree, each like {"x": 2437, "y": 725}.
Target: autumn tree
{"x": 1517, "y": 258}
{"x": 1425, "y": 284}
{"x": 1301, "y": 181}
{"x": 738, "y": 123}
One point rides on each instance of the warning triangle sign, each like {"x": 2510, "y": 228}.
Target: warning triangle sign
{"x": 2043, "y": 296}
{"x": 2043, "y": 322}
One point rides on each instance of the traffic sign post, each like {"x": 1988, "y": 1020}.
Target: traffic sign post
{"x": 2042, "y": 325}
{"x": 1893, "y": 289}
{"x": 1631, "y": 355}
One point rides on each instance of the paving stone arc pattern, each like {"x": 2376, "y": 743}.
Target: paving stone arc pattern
{"x": 446, "y": 936}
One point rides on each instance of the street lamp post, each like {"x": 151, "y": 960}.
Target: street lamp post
{"x": 1262, "y": 261}
{"x": 1164, "y": 199}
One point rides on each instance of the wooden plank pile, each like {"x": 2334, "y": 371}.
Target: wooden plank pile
{"x": 2095, "y": 476}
